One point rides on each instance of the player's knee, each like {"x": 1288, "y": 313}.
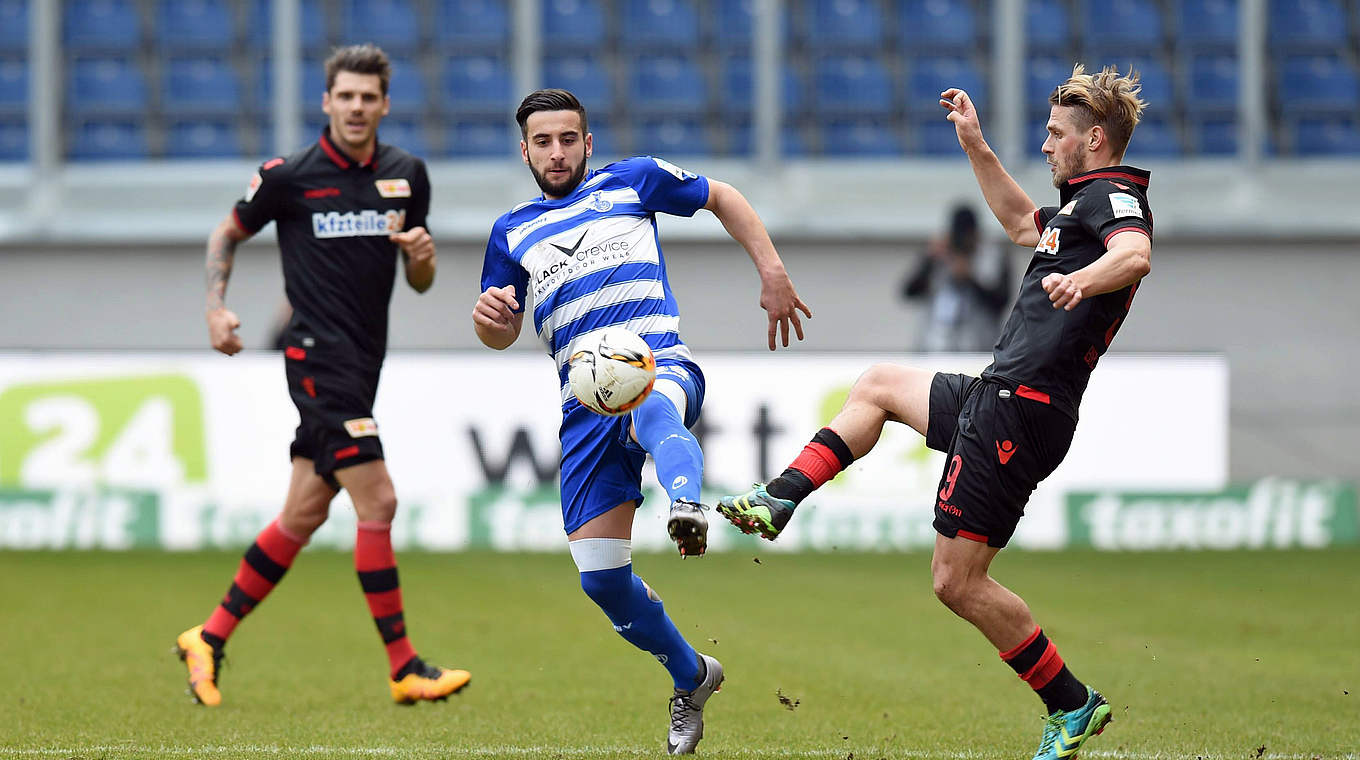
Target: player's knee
{"x": 951, "y": 588}
{"x": 874, "y": 383}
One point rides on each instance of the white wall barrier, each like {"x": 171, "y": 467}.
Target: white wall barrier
{"x": 190, "y": 451}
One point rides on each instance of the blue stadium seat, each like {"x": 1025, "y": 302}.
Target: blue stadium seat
{"x": 202, "y": 139}
{"x": 13, "y": 141}
{"x": 393, "y": 25}
{"x": 312, "y": 88}
{"x": 656, "y": 24}
{"x": 484, "y": 24}
{"x": 484, "y": 138}
{"x": 584, "y": 77}
{"x": 315, "y": 34}
{"x": 13, "y": 85}
{"x": 478, "y": 83}
{"x": 844, "y": 25}
{"x": 1042, "y": 74}
{"x": 106, "y": 86}
{"x": 667, "y": 83}
{"x": 853, "y": 84}
{"x": 737, "y": 87}
{"x": 741, "y": 140}
{"x": 1326, "y": 137}
{"x": 1215, "y": 136}
{"x": 97, "y": 140}
{"x": 936, "y": 24}
{"x": 203, "y": 26}
{"x": 405, "y": 133}
{"x": 935, "y": 137}
{"x": 101, "y": 25}
{"x": 668, "y": 138}
{"x": 574, "y": 24}
{"x": 1123, "y": 22}
{"x": 1208, "y": 22}
{"x": 733, "y": 23}
{"x": 1048, "y": 24}
{"x": 1306, "y": 24}
{"x": 1154, "y": 137}
{"x": 14, "y": 30}
{"x": 932, "y": 75}
{"x": 407, "y": 88}
{"x": 1318, "y": 81}
{"x": 860, "y": 137}
{"x": 607, "y": 141}
{"x": 200, "y": 86}
{"x": 1213, "y": 82}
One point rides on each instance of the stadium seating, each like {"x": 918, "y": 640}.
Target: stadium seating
{"x": 1213, "y": 136}
{"x": 1326, "y": 136}
{"x": 202, "y": 139}
{"x": 860, "y": 137}
{"x": 851, "y": 84}
{"x": 407, "y": 88}
{"x": 101, "y": 26}
{"x": 100, "y": 139}
{"x": 479, "y": 83}
{"x": 935, "y": 137}
{"x": 1207, "y": 23}
{"x": 200, "y": 86}
{"x": 929, "y": 76}
{"x": 197, "y": 26}
{"x": 13, "y": 141}
{"x": 13, "y": 85}
{"x": 393, "y": 25}
{"x": 1319, "y": 82}
{"x": 584, "y": 76}
{"x": 312, "y": 88}
{"x": 609, "y": 142}
{"x": 937, "y": 25}
{"x": 666, "y": 83}
{"x": 1131, "y": 23}
{"x": 741, "y": 140}
{"x": 1212, "y": 82}
{"x": 671, "y": 137}
{"x": 1306, "y": 24}
{"x": 473, "y": 24}
{"x": 575, "y": 24}
{"x": 405, "y": 133}
{"x": 1048, "y": 25}
{"x": 737, "y": 87}
{"x": 1042, "y": 74}
{"x": 855, "y": 25}
{"x": 313, "y": 27}
{"x": 660, "y": 24}
{"x": 106, "y": 86}
{"x": 1154, "y": 138}
{"x": 484, "y": 138}
{"x": 13, "y": 26}
{"x": 1153, "y": 73}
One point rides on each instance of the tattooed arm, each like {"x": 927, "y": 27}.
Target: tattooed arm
{"x": 222, "y": 322}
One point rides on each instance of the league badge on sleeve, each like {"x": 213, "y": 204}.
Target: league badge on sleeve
{"x": 676, "y": 171}
{"x": 253, "y": 187}
{"x": 1123, "y": 204}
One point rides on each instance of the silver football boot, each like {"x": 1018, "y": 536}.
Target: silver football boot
{"x": 688, "y": 527}
{"x": 687, "y": 709}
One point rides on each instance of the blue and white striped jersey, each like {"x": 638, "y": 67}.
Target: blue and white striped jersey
{"x": 593, "y": 259}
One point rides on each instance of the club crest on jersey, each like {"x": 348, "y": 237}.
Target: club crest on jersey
{"x": 365, "y": 223}
{"x": 1067, "y": 210}
{"x": 364, "y": 426}
{"x": 600, "y": 203}
{"x": 394, "y": 188}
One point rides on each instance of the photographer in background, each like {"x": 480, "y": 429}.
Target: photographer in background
{"x": 966, "y": 286}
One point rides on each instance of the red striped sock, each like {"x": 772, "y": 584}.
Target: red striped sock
{"x": 376, "y": 564}
{"x": 260, "y": 571}
{"x": 823, "y": 457}
{"x": 1037, "y": 662}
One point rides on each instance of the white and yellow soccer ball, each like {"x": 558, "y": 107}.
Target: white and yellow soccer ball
{"x": 611, "y": 371}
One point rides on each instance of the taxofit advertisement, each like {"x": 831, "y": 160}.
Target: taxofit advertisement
{"x": 189, "y": 451}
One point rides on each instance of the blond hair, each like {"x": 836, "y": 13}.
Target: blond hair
{"x": 1107, "y": 99}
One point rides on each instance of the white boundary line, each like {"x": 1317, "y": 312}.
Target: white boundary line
{"x": 270, "y": 750}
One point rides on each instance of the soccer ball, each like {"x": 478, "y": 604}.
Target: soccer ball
{"x": 611, "y": 372}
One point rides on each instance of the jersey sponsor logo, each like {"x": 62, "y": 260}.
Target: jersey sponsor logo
{"x": 1004, "y": 451}
{"x": 1048, "y": 243}
{"x": 617, "y": 247}
{"x": 365, "y": 223}
{"x": 363, "y": 426}
{"x": 1067, "y": 210}
{"x": 1124, "y": 204}
{"x": 253, "y": 187}
{"x": 675, "y": 171}
{"x": 569, "y": 252}
{"x": 394, "y": 188}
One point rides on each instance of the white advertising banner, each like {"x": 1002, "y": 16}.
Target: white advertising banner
{"x": 189, "y": 451}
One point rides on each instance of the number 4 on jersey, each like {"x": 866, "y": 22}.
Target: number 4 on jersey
{"x": 1049, "y": 242}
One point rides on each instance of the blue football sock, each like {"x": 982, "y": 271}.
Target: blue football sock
{"x": 640, "y": 618}
{"x": 674, "y": 449}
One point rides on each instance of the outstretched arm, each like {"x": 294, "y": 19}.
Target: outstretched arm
{"x": 222, "y": 322}
{"x": 777, "y": 296}
{"x": 1008, "y": 202}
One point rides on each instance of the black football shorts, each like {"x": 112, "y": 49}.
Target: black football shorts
{"x": 999, "y": 442}
{"x": 334, "y": 399}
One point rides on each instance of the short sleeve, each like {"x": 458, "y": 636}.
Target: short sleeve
{"x": 499, "y": 270}
{"x": 418, "y": 211}
{"x": 263, "y": 197}
{"x": 1042, "y": 216}
{"x": 1106, "y": 209}
{"x": 663, "y": 186}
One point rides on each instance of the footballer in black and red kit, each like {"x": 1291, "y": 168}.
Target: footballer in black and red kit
{"x": 1006, "y": 430}
{"x": 334, "y": 216}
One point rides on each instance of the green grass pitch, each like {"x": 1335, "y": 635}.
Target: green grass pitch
{"x": 1207, "y": 655}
